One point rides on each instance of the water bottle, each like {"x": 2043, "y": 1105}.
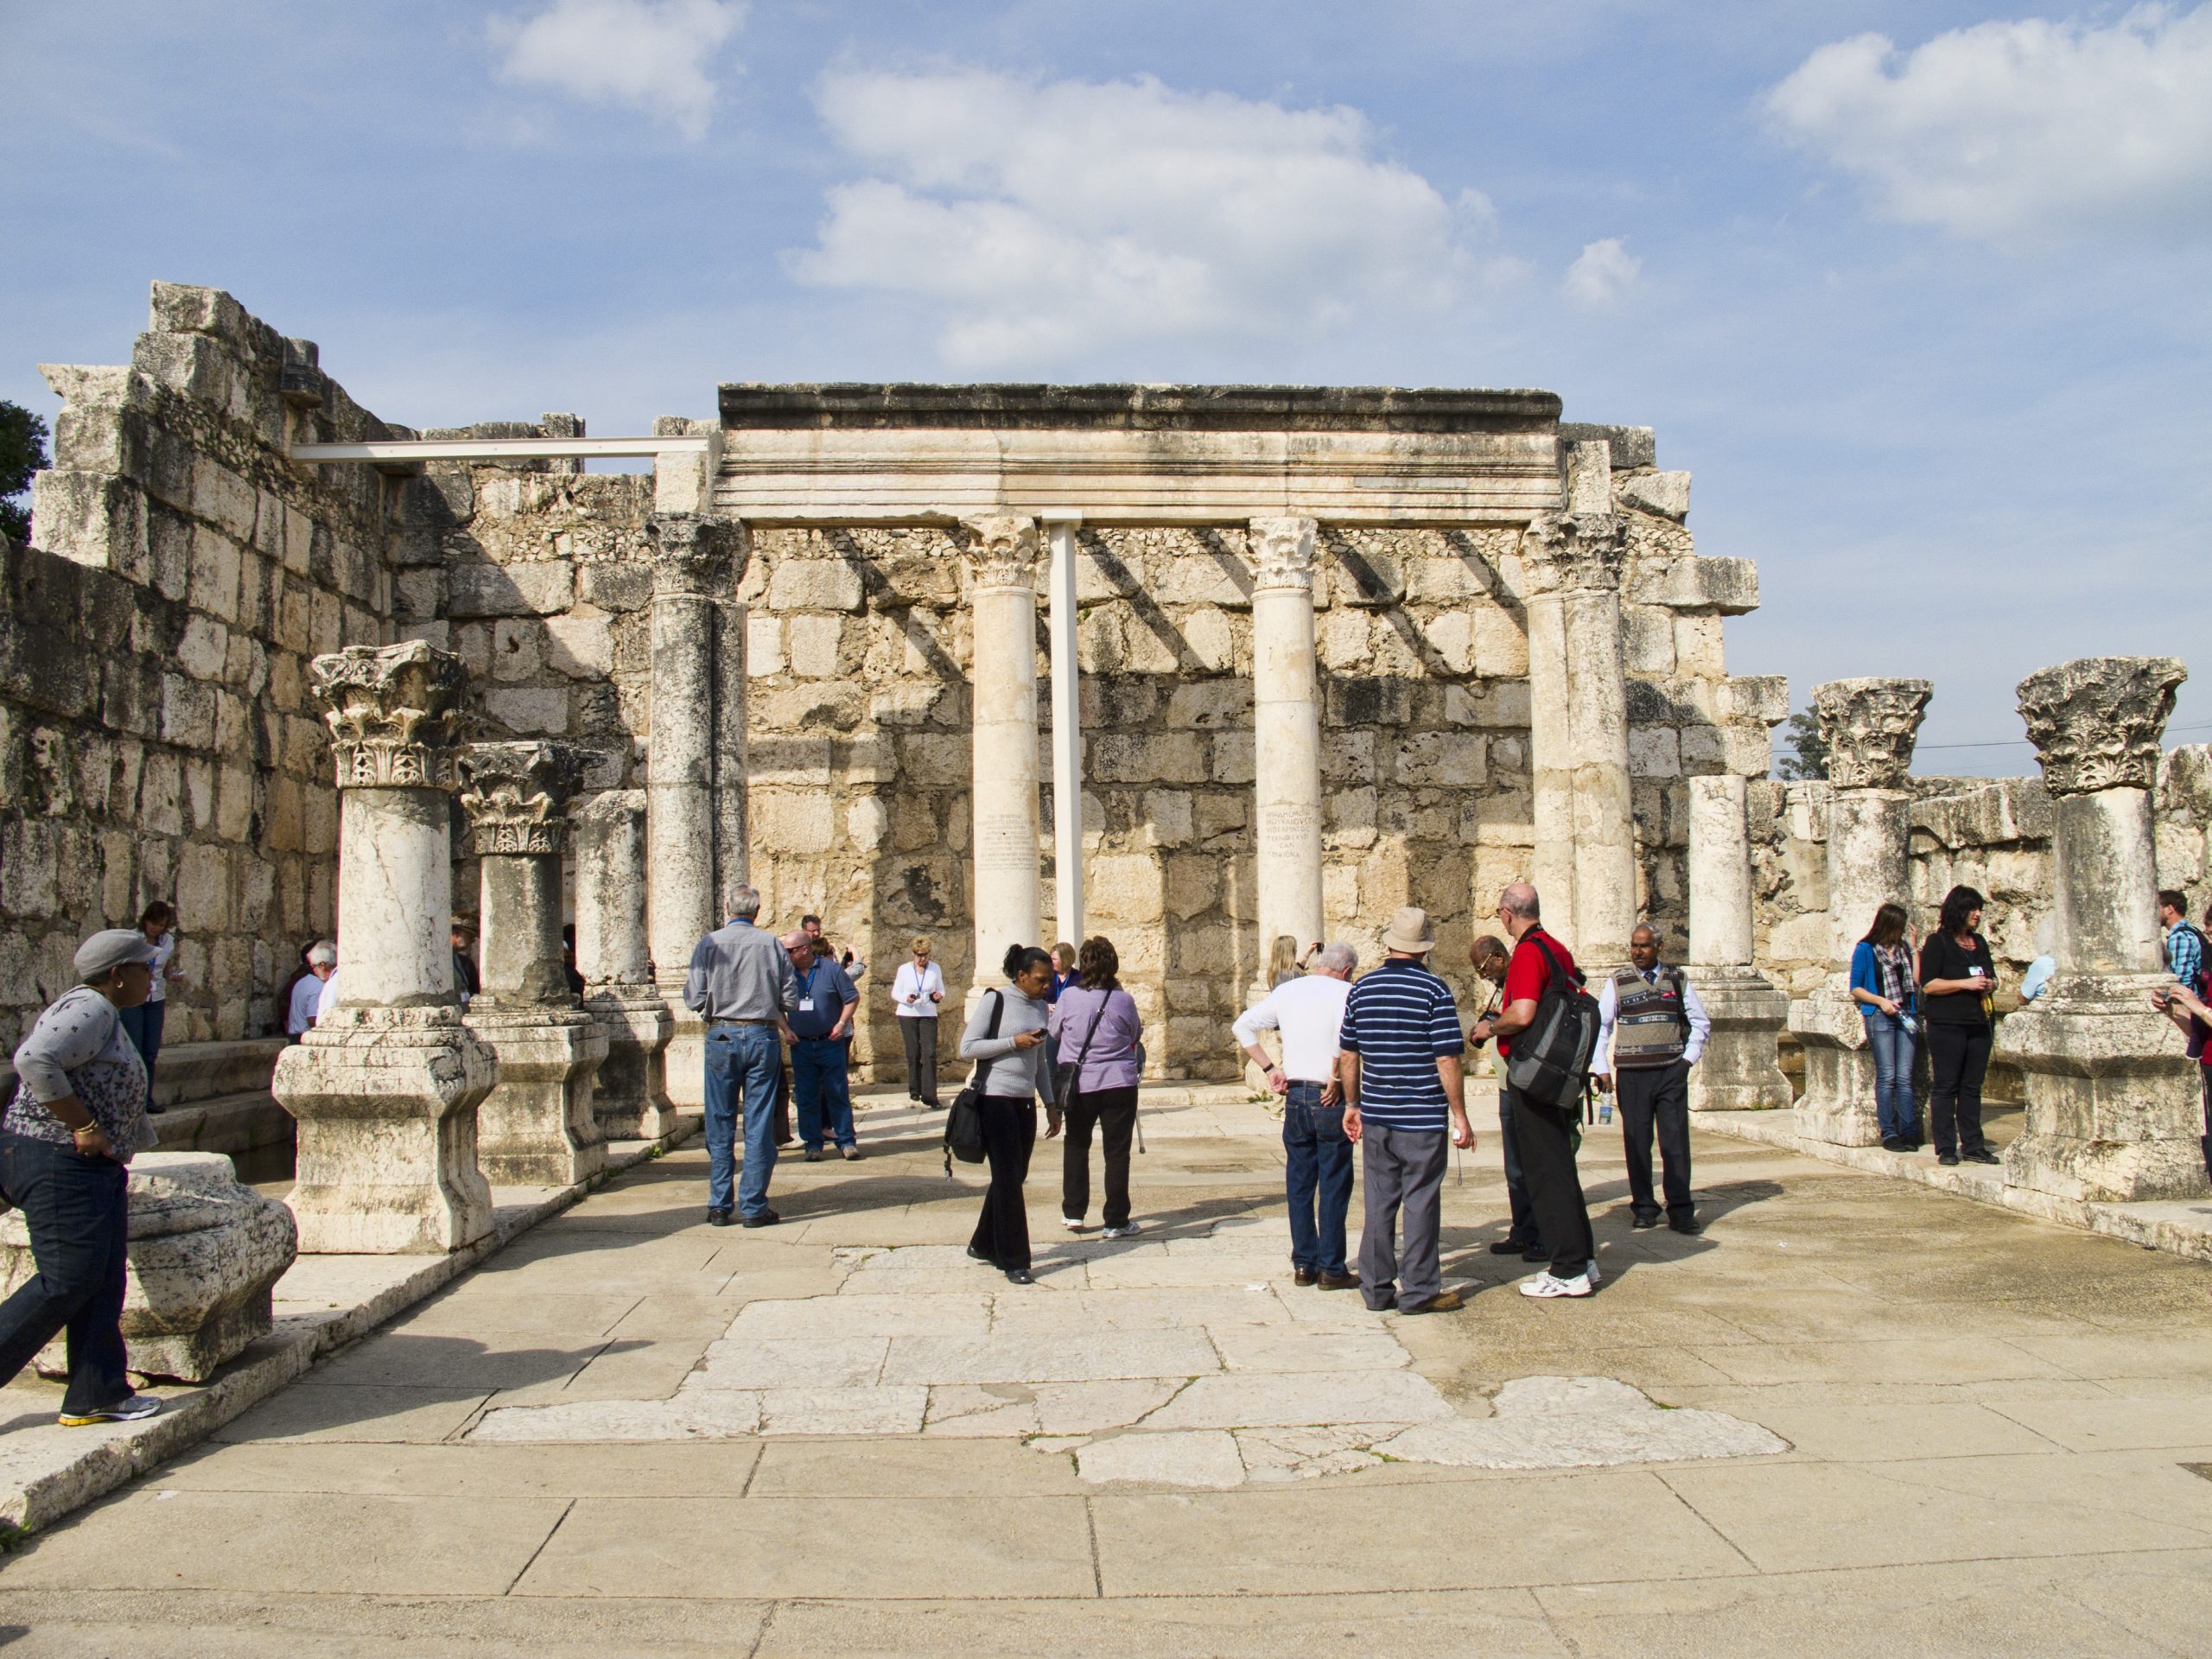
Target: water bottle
{"x": 1605, "y": 1109}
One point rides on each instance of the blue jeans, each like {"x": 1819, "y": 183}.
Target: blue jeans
{"x": 142, "y": 1026}
{"x": 78, "y": 1211}
{"x": 1317, "y": 1165}
{"x": 1892, "y": 1047}
{"x": 819, "y": 1081}
{"x": 741, "y": 1060}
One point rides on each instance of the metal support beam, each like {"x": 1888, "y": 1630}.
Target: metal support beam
{"x": 388, "y": 450}
{"x": 1067, "y": 727}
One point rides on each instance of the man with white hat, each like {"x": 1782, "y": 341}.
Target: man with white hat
{"x": 1402, "y": 1046}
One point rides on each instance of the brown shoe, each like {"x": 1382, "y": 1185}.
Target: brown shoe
{"x": 1302, "y": 1275}
{"x": 851, "y": 1155}
{"x": 1447, "y": 1301}
{"x": 1338, "y": 1281}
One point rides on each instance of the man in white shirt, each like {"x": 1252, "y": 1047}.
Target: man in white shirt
{"x": 307, "y": 992}
{"x": 1651, "y": 1029}
{"x": 1316, "y": 1163}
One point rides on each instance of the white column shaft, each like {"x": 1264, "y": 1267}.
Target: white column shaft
{"x": 395, "y": 897}
{"x": 1007, "y": 885}
{"x": 1067, "y": 735}
{"x": 1720, "y": 871}
{"x": 680, "y": 807}
{"x": 1286, "y": 767}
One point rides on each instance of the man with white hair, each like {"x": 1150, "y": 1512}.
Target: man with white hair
{"x": 741, "y": 981}
{"x": 322, "y": 962}
{"x": 1316, "y": 1156}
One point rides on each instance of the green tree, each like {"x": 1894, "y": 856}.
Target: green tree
{"x": 22, "y": 452}
{"x": 1805, "y": 753}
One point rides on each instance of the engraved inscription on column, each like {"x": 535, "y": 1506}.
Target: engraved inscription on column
{"x": 1005, "y": 840}
{"x": 1290, "y": 831}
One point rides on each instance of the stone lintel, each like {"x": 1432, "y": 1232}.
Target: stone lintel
{"x": 748, "y": 406}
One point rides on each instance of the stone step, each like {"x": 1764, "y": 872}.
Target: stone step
{"x": 239, "y": 1123}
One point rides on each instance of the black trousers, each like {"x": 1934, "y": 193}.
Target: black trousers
{"x": 2205, "y": 1141}
{"x": 1009, "y": 1136}
{"x": 1524, "y": 1230}
{"x": 1959, "y": 1057}
{"x": 1657, "y": 1097}
{"x": 1114, "y": 1111}
{"x": 919, "y": 1036}
{"x": 1545, "y": 1135}
{"x": 77, "y": 1209}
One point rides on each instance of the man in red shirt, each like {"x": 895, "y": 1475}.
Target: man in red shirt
{"x": 1545, "y": 1133}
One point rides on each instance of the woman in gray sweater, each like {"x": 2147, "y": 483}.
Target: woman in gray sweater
{"x": 1012, "y": 1073}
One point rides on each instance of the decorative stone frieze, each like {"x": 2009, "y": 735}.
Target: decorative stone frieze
{"x": 394, "y": 714}
{"x": 1283, "y": 551}
{"x": 1002, "y": 550}
{"x": 2096, "y": 722}
{"x": 1869, "y": 726}
{"x": 514, "y": 793}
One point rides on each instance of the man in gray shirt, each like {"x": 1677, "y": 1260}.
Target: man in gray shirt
{"x": 741, "y": 981}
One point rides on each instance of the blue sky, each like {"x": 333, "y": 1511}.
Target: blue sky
{"x": 1925, "y": 313}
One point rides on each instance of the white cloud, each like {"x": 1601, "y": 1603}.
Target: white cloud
{"x": 654, "y": 55}
{"x": 1042, "y": 221}
{"x": 2019, "y": 132}
{"x": 1604, "y": 271}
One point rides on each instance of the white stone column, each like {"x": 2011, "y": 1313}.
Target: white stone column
{"x": 1572, "y": 566}
{"x": 1739, "y": 1072}
{"x": 630, "y": 1091}
{"x": 385, "y": 1086}
{"x": 1002, "y": 599}
{"x": 536, "y": 1128}
{"x": 2114, "y": 1104}
{"x": 1869, "y": 726}
{"x": 691, "y": 568}
{"x": 1286, "y": 736}
{"x": 1067, "y": 727}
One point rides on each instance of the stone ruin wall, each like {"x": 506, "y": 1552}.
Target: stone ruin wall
{"x": 156, "y": 739}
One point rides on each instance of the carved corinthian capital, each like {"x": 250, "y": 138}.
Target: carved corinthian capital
{"x": 515, "y": 795}
{"x": 1283, "y": 553}
{"x": 2096, "y": 722}
{"x": 1869, "y": 726}
{"x": 1567, "y": 552}
{"x": 394, "y": 714}
{"x": 1003, "y": 549}
{"x": 698, "y": 555}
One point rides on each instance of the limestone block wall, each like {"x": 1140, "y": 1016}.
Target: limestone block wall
{"x": 156, "y": 739}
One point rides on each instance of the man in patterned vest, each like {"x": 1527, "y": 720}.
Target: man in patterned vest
{"x": 1651, "y": 1030}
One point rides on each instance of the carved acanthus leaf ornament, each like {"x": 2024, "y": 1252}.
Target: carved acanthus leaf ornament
{"x": 2096, "y": 722}
{"x": 394, "y": 714}
{"x": 1283, "y": 554}
{"x": 515, "y": 795}
{"x": 1869, "y": 726}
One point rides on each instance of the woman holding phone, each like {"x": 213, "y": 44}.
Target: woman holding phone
{"x": 1958, "y": 982}
{"x": 1882, "y": 985}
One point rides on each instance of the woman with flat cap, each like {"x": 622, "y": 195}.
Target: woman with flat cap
{"x": 77, "y": 1117}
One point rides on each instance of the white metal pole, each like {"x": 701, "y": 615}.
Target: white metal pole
{"x": 1067, "y": 727}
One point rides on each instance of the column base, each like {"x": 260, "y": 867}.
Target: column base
{"x": 536, "y": 1128}
{"x": 206, "y": 1252}
{"x": 629, "y": 1095}
{"x": 385, "y": 1100}
{"x": 1740, "y": 1071}
{"x": 1838, "y": 1106}
{"x": 684, "y": 1066}
{"x": 2114, "y": 1106}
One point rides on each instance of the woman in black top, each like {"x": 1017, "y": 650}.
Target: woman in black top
{"x": 1957, "y": 978}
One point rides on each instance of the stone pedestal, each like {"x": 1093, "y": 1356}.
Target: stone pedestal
{"x": 1002, "y": 595}
{"x": 1572, "y": 564}
{"x": 1869, "y": 726}
{"x": 1286, "y": 738}
{"x": 2114, "y": 1105}
{"x": 630, "y": 1090}
{"x": 385, "y": 1086}
{"x": 692, "y": 565}
{"x": 206, "y": 1252}
{"x": 1739, "y": 1070}
{"x": 536, "y": 1128}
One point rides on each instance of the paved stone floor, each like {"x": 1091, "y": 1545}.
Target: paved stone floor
{"x": 1855, "y": 1417}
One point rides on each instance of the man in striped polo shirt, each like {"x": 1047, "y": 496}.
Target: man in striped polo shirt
{"x": 1402, "y": 1046}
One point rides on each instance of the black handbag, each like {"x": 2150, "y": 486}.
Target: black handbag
{"x": 1065, "y": 1073}
{"x": 963, "y": 1119}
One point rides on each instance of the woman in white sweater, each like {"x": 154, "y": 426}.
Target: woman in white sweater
{"x": 916, "y": 993}
{"x": 1006, "y": 1038}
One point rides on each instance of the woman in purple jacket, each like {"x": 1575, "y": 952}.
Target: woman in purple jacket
{"x": 1096, "y": 1030}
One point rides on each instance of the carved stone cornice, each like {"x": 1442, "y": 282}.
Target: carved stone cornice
{"x": 1002, "y": 550}
{"x": 1577, "y": 552}
{"x": 694, "y": 555}
{"x": 515, "y": 796}
{"x": 394, "y": 714}
{"x": 1283, "y": 554}
{"x": 2096, "y": 722}
{"x": 1869, "y": 726}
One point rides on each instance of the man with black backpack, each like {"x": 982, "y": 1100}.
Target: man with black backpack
{"x": 1652, "y": 1029}
{"x": 1548, "y": 1032}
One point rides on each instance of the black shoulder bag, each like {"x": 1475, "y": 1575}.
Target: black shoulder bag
{"x": 963, "y": 1120}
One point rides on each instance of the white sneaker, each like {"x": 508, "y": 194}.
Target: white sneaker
{"x": 1545, "y": 1285}
{"x": 1126, "y": 1230}
{"x": 1592, "y": 1273}
{"x": 1073, "y": 1224}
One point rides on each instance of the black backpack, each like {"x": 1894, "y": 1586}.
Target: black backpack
{"x": 963, "y": 1121}
{"x": 1550, "y": 1062}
